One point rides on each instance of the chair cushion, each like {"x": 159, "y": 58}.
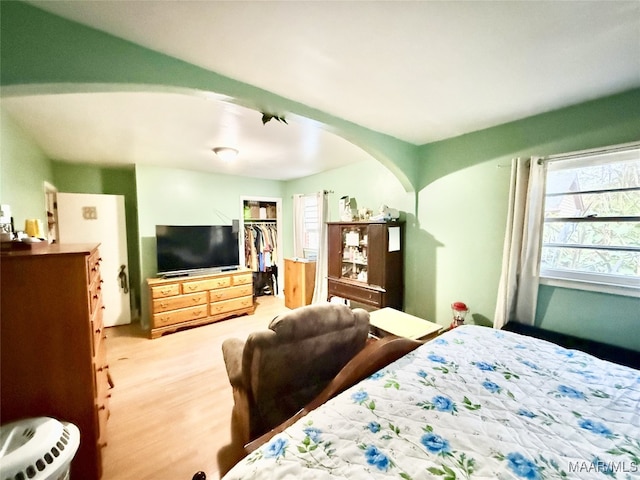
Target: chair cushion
{"x": 288, "y": 365}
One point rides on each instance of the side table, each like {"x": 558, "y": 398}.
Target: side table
{"x": 389, "y": 321}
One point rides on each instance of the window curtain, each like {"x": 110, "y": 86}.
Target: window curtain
{"x": 518, "y": 287}
{"x": 298, "y": 225}
{"x": 321, "y": 289}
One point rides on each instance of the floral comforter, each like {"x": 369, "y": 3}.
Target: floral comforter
{"x": 473, "y": 403}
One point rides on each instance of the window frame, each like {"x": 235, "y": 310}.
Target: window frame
{"x": 597, "y": 282}
{"x": 310, "y": 252}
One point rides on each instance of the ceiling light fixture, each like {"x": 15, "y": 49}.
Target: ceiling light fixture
{"x": 226, "y": 154}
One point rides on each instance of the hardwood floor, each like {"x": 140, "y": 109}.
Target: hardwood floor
{"x": 171, "y": 402}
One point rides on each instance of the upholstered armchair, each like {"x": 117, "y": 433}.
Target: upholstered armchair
{"x": 276, "y": 372}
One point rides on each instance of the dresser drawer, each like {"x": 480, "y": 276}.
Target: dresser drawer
{"x": 101, "y": 377}
{"x": 168, "y": 290}
{"x": 182, "y": 301}
{"x": 231, "y": 305}
{"x": 93, "y": 267}
{"x": 97, "y": 328}
{"x": 178, "y": 316}
{"x": 354, "y": 292}
{"x": 102, "y": 415}
{"x": 243, "y": 279}
{"x": 207, "y": 284}
{"x": 95, "y": 294}
{"x": 231, "y": 292}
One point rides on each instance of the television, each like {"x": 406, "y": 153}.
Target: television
{"x": 192, "y": 249}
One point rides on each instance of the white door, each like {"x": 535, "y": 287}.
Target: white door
{"x": 89, "y": 218}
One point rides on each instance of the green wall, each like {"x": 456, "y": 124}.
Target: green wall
{"x": 462, "y": 213}
{"x": 182, "y": 197}
{"x": 455, "y": 210}
{"x": 23, "y": 170}
{"x": 369, "y": 182}
{"x": 44, "y": 53}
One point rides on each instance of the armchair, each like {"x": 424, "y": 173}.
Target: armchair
{"x": 276, "y": 372}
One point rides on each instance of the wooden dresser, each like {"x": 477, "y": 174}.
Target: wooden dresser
{"x": 53, "y": 357}
{"x": 196, "y": 300}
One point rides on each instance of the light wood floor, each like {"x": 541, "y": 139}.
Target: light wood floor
{"x": 171, "y": 403}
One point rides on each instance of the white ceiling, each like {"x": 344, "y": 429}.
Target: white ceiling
{"x": 417, "y": 70}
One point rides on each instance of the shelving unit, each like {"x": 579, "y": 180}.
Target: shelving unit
{"x": 263, "y": 213}
{"x": 366, "y": 262}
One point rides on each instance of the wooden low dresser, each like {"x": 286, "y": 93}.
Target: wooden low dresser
{"x": 190, "y": 301}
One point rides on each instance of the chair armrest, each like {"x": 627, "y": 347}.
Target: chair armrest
{"x": 232, "y": 349}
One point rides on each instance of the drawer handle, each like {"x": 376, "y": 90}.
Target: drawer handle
{"x": 165, "y": 291}
{"x": 197, "y": 313}
{"x": 192, "y": 287}
{"x": 196, "y": 300}
{"x": 164, "y": 304}
{"x": 218, "y": 296}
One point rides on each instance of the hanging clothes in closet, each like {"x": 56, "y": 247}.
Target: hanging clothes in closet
{"x": 261, "y": 255}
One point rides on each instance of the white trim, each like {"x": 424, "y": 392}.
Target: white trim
{"x": 611, "y": 289}
{"x": 584, "y": 154}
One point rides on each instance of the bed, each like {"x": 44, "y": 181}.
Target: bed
{"x": 472, "y": 403}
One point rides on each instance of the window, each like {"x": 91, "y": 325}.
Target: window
{"x": 591, "y": 233}
{"x": 311, "y": 224}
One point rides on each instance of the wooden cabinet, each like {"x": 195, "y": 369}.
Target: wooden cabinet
{"x": 299, "y": 281}
{"x": 366, "y": 262}
{"x": 190, "y": 301}
{"x": 53, "y": 356}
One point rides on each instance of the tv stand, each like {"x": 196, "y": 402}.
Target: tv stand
{"x": 178, "y": 302}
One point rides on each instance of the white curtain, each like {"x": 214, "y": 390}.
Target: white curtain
{"x": 298, "y": 225}
{"x": 518, "y": 288}
{"x": 321, "y": 289}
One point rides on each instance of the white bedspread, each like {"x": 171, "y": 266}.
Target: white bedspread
{"x": 473, "y": 403}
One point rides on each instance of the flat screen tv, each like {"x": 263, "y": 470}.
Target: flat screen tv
{"x": 188, "y": 249}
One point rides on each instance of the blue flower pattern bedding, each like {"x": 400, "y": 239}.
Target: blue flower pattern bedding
{"x": 472, "y": 403}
